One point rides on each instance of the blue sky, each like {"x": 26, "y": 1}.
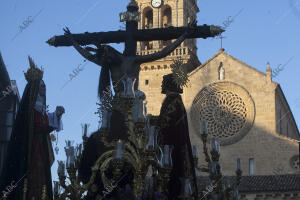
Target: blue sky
{"x": 264, "y": 31}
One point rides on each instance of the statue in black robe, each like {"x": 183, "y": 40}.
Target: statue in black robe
{"x": 174, "y": 131}
{"x": 30, "y": 153}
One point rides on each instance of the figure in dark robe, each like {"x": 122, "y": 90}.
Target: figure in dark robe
{"x": 30, "y": 153}
{"x": 174, "y": 131}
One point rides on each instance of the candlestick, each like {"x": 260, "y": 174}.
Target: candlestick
{"x": 203, "y": 127}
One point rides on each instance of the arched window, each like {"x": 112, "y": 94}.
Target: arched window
{"x": 166, "y": 20}
{"x": 251, "y": 166}
{"x": 166, "y": 16}
{"x": 147, "y": 24}
{"x": 221, "y": 72}
{"x": 148, "y": 18}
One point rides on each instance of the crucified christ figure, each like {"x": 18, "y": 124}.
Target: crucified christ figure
{"x": 116, "y": 65}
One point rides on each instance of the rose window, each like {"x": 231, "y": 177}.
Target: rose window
{"x": 228, "y": 110}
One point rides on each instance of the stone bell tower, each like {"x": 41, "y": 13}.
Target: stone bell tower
{"x": 164, "y": 14}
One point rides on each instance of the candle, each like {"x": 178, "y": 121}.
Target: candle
{"x": 159, "y": 157}
{"x": 141, "y": 105}
{"x": 85, "y": 129}
{"x": 151, "y": 137}
{"x": 238, "y": 164}
{"x": 104, "y": 119}
{"x": 167, "y": 156}
{"x": 70, "y": 153}
{"x": 213, "y": 168}
{"x": 195, "y": 151}
{"x": 119, "y": 149}
{"x": 105, "y": 123}
{"x": 78, "y": 150}
{"x": 56, "y": 187}
{"x": 203, "y": 127}
{"x": 61, "y": 168}
{"x": 149, "y": 182}
{"x": 72, "y": 156}
{"x": 130, "y": 87}
{"x": 186, "y": 189}
{"x": 215, "y": 145}
{"x": 235, "y": 194}
{"x": 227, "y": 183}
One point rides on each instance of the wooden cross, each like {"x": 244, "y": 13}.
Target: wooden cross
{"x": 130, "y": 37}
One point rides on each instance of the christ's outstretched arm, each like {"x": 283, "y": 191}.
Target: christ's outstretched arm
{"x": 83, "y": 51}
{"x": 163, "y": 53}
{"x": 168, "y": 49}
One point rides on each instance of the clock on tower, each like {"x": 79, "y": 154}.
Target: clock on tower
{"x": 156, "y": 3}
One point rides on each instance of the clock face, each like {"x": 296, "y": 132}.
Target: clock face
{"x": 156, "y": 3}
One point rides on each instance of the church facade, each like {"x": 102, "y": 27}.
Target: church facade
{"x": 249, "y": 114}
{"x": 245, "y": 109}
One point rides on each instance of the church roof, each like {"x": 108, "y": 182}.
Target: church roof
{"x": 221, "y": 51}
{"x": 270, "y": 183}
{"x": 4, "y": 77}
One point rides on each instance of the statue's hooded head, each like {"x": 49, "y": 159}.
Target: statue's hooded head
{"x": 169, "y": 85}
